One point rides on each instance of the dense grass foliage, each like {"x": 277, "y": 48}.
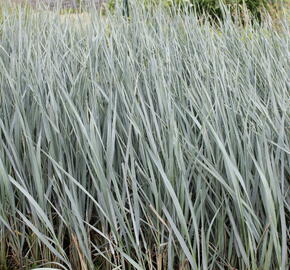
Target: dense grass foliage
{"x": 151, "y": 143}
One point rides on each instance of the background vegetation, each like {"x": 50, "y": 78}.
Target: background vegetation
{"x": 214, "y": 8}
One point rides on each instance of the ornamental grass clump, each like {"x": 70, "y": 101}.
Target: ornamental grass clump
{"x": 154, "y": 142}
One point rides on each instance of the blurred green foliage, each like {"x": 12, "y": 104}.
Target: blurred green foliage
{"x": 214, "y": 8}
